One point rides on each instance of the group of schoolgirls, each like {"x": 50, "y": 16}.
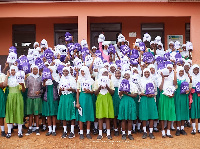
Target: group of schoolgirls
{"x": 113, "y": 87}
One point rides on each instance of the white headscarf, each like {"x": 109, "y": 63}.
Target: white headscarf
{"x": 87, "y": 75}
{"x": 33, "y": 75}
{"x": 12, "y": 81}
{"x": 115, "y": 80}
{"x": 160, "y": 52}
{"x": 182, "y": 78}
{"x": 195, "y": 78}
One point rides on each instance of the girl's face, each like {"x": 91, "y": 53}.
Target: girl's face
{"x": 135, "y": 71}
{"x": 186, "y": 68}
{"x": 65, "y": 72}
{"x": 170, "y": 69}
{"x": 184, "y": 48}
{"x": 171, "y": 46}
{"x": 106, "y": 66}
{"x": 12, "y": 72}
{"x": 181, "y": 73}
{"x": 118, "y": 74}
{"x": 126, "y": 76}
{"x": 152, "y": 70}
{"x": 152, "y": 46}
{"x": 82, "y": 73}
{"x": 179, "y": 64}
{"x": 35, "y": 70}
{"x": 196, "y": 71}
{"x": 146, "y": 74}
{"x": 159, "y": 47}
{"x": 112, "y": 69}
{"x": 105, "y": 73}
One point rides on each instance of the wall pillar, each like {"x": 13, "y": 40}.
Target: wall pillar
{"x": 82, "y": 28}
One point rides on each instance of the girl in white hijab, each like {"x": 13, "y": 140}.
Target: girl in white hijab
{"x": 147, "y": 102}
{"x": 66, "y": 108}
{"x": 85, "y": 101}
{"x": 14, "y": 99}
{"x": 195, "y": 105}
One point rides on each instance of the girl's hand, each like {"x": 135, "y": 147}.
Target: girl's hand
{"x": 8, "y": 73}
{"x": 87, "y": 90}
{"x": 62, "y": 89}
{"x": 187, "y": 92}
{"x": 76, "y": 69}
{"x": 70, "y": 89}
{"x": 125, "y": 93}
{"x": 78, "y": 106}
{"x": 150, "y": 95}
{"x": 22, "y": 84}
{"x": 102, "y": 87}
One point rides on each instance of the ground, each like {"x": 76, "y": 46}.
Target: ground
{"x": 42, "y": 141}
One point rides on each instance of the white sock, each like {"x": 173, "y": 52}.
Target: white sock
{"x": 72, "y": 129}
{"x": 134, "y": 126}
{"x": 108, "y": 132}
{"x": 182, "y": 127}
{"x": 30, "y": 127}
{"x": 54, "y": 128}
{"x": 151, "y": 130}
{"x": 95, "y": 125}
{"x": 193, "y": 126}
{"x": 172, "y": 125}
{"x": 9, "y": 128}
{"x": 100, "y": 132}
{"x": 50, "y": 128}
{"x": 163, "y": 132}
{"x": 116, "y": 129}
{"x": 155, "y": 123}
{"x": 123, "y": 132}
{"x": 144, "y": 128}
{"x": 178, "y": 128}
{"x": 37, "y": 127}
{"x": 65, "y": 128}
{"x": 20, "y": 128}
{"x": 2, "y": 128}
{"x": 129, "y": 132}
{"x": 138, "y": 126}
{"x": 88, "y": 131}
{"x": 198, "y": 126}
{"x": 189, "y": 121}
{"x": 34, "y": 124}
{"x": 104, "y": 125}
{"x": 81, "y": 132}
{"x": 168, "y": 132}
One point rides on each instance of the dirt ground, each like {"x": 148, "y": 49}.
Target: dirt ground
{"x": 44, "y": 142}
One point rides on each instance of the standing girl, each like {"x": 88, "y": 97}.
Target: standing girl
{"x": 147, "y": 105}
{"x": 104, "y": 88}
{"x": 66, "y": 109}
{"x": 85, "y": 100}
{"x": 14, "y": 103}
{"x": 127, "y": 107}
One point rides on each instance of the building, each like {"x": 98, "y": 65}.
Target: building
{"x": 24, "y": 22}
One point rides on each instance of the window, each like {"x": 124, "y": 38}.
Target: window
{"x": 23, "y": 38}
{"x": 110, "y": 30}
{"x": 187, "y": 32}
{"x": 61, "y": 29}
{"x": 154, "y": 29}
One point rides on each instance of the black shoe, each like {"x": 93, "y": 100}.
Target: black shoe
{"x": 104, "y": 130}
{"x": 133, "y": 132}
{"x": 177, "y": 132}
{"x": 124, "y": 137}
{"x": 155, "y": 129}
{"x": 173, "y": 129}
{"x": 20, "y": 135}
{"x": 64, "y": 135}
{"x": 71, "y": 135}
{"x": 29, "y": 132}
{"x": 88, "y": 136}
{"x": 170, "y": 136}
{"x": 44, "y": 128}
{"x": 144, "y": 135}
{"x": 99, "y": 137}
{"x": 116, "y": 133}
{"x": 139, "y": 130}
{"x": 12, "y": 130}
{"x": 95, "y": 131}
{"x": 81, "y": 136}
{"x": 183, "y": 132}
{"x": 109, "y": 137}
{"x": 48, "y": 133}
{"x": 8, "y": 135}
{"x": 188, "y": 124}
{"x": 163, "y": 136}
{"x": 24, "y": 127}
{"x": 185, "y": 124}
{"x": 15, "y": 127}
{"x": 151, "y": 136}
{"x": 193, "y": 132}
{"x": 3, "y": 134}
{"x": 37, "y": 131}
{"x": 53, "y": 133}
{"x": 130, "y": 137}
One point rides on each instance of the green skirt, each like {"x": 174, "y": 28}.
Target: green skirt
{"x": 147, "y": 109}
{"x": 137, "y": 105}
{"x": 166, "y": 108}
{"x": 50, "y": 107}
{"x": 2, "y": 104}
{"x": 127, "y": 108}
{"x": 86, "y": 103}
{"x": 157, "y": 97}
{"x": 34, "y": 106}
{"x": 66, "y": 108}
{"x": 104, "y": 106}
{"x": 116, "y": 101}
{"x": 181, "y": 105}
{"x": 94, "y": 99}
{"x": 195, "y": 107}
{"x": 24, "y": 94}
{"x": 14, "y": 106}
